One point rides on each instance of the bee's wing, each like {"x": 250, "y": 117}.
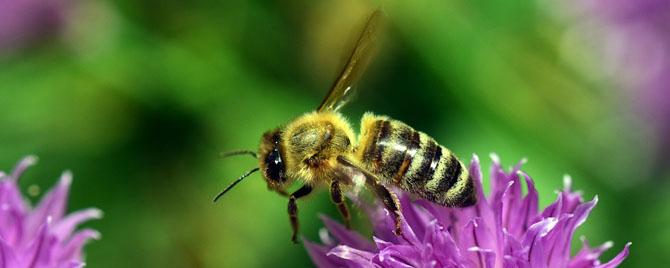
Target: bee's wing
{"x": 356, "y": 65}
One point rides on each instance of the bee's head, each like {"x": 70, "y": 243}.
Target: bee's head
{"x": 271, "y": 160}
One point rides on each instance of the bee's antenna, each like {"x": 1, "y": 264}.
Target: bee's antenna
{"x": 239, "y": 152}
{"x": 235, "y": 183}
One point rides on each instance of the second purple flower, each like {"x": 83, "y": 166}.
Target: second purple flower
{"x": 42, "y": 236}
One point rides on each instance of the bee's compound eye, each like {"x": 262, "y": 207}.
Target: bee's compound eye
{"x": 274, "y": 166}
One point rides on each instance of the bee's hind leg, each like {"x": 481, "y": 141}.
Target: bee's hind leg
{"x": 338, "y": 199}
{"x": 293, "y": 209}
{"x": 389, "y": 198}
{"x": 390, "y": 201}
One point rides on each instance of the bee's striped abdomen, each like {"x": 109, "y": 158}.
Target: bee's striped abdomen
{"x": 414, "y": 162}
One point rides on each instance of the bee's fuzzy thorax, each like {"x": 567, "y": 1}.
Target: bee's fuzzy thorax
{"x": 312, "y": 143}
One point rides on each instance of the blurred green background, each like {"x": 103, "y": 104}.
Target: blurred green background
{"x": 137, "y": 98}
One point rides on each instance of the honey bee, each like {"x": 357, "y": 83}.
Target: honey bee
{"x": 320, "y": 148}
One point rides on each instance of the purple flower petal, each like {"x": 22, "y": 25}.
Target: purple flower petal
{"x": 7, "y": 255}
{"x": 65, "y": 227}
{"x": 570, "y": 199}
{"x": 10, "y": 196}
{"x": 561, "y": 238}
{"x": 72, "y": 264}
{"x": 527, "y": 211}
{"x": 53, "y": 204}
{"x": 444, "y": 248}
{"x": 346, "y": 237}
{"x": 383, "y": 225}
{"x": 477, "y": 235}
{"x": 412, "y": 216}
{"x": 40, "y": 251}
{"x": 318, "y": 255}
{"x": 21, "y": 167}
{"x": 353, "y": 257}
{"x": 618, "y": 258}
{"x": 399, "y": 256}
{"x": 73, "y": 247}
{"x": 514, "y": 253}
{"x": 588, "y": 257}
{"x": 488, "y": 257}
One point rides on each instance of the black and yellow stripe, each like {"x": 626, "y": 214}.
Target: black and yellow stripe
{"x": 414, "y": 162}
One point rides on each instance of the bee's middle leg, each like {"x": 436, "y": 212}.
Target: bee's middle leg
{"x": 293, "y": 209}
{"x": 338, "y": 199}
{"x": 389, "y": 199}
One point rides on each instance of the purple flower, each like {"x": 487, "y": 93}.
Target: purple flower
{"x": 505, "y": 229}
{"x": 632, "y": 41}
{"x": 42, "y": 236}
{"x": 26, "y": 22}
{"x": 637, "y": 42}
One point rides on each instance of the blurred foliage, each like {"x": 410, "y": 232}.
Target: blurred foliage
{"x": 138, "y": 98}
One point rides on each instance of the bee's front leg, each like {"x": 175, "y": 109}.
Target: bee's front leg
{"x": 338, "y": 199}
{"x": 293, "y": 209}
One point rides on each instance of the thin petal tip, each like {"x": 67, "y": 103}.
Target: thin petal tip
{"x": 495, "y": 158}
{"x": 567, "y": 182}
{"x": 325, "y": 237}
{"x": 95, "y": 235}
{"x": 29, "y": 160}
{"x": 23, "y": 165}
{"x": 520, "y": 173}
{"x": 91, "y": 234}
{"x": 323, "y": 217}
{"x": 95, "y": 213}
{"x": 523, "y": 160}
{"x": 66, "y": 178}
